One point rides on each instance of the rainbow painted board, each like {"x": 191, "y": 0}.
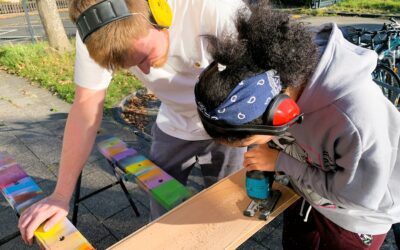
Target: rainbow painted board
{"x": 167, "y": 191}
{"x": 21, "y": 191}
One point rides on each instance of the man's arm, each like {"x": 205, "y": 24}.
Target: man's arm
{"x": 82, "y": 124}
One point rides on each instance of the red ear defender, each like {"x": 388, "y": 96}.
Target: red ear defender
{"x": 286, "y": 111}
{"x": 281, "y": 111}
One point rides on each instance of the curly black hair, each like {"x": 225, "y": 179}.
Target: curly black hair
{"x": 266, "y": 39}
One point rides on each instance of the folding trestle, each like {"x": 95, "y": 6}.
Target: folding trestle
{"x": 167, "y": 191}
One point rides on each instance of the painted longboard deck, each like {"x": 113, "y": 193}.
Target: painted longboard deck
{"x": 212, "y": 219}
{"x": 21, "y": 191}
{"x": 167, "y": 191}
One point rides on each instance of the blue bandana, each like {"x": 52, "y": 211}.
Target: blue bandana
{"x": 247, "y": 101}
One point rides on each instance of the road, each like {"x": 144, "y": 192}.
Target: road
{"x": 15, "y": 28}
{"x": 368, "y": 23}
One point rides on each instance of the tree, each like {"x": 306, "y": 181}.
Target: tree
{"x": 53, "y": 25}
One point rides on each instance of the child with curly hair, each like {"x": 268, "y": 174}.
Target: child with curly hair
{"x": 344, "y": 157}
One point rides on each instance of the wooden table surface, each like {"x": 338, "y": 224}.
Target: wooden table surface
{"x": 212, "y": 219}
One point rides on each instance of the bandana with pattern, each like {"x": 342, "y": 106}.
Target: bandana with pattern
{"x": 247, "y": 101}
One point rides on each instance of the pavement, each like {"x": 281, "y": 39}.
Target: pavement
{"x": 31, "y": 130}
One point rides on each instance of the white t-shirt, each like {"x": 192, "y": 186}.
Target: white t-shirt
{"x": 174, "y": 83}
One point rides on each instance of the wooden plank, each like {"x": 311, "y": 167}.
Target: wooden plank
{"x": 21, "y": 191}
{"x": 212, "y": 219}
{"x": 167, "y": 191}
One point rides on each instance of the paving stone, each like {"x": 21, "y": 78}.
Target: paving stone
{"x": 4, "y": 127}
{"x": 42, "y": 112}
{"x": 106, "y": 203}
{"x": 125, "y": 222}
{"x": 273, "y": 241}
{"x": 15, "y": 149}
{"x": 138, "y": 195}
{"x": 12, "y": 116}
{"x": 251, "y": 245}
{"x": 105, "y": 243}
{"x": 100, "y": 164}
{"x": 18, "y": 244}
{"x": 111, "y": 127}
{"x": 6, "y": 138}
{"x": 51, "y": 158}
{"x": 8, "y": 221}
{"x": 56, "y": 126}
{"x": 33, "y": 92}
{"x": 264, "y": 232}
{"x": 94, "y": 181}
{"x": 40, "y": 173}
{"x": 41, "y": 144}
{"x": 90, "y": 227}
{"x": 23, "y": 102}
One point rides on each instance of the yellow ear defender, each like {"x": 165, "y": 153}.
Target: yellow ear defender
{"x": 107, "y": 11}
{"x": 161, "y": 12}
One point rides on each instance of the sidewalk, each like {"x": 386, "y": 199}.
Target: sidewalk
{"x": 31, "y": 129}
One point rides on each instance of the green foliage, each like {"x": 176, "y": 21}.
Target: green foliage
{"x": 53, "y": 71}
{"x": 369, "y": 6}
{"x": 390, "y": 7}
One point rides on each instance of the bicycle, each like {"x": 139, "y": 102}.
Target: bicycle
{"x": 386, "y": 42}
{"x": 389, "y": 82}
{"x": 389, "y": 50}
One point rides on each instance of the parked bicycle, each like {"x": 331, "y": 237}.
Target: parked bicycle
{"x": 389, "y": 83}
{"x": 386, "y": 43}
{"x": 389, "y": 50}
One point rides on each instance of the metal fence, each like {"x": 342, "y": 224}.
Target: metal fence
{"x": 322, "y": 3}
{"x": 8, "y": 8}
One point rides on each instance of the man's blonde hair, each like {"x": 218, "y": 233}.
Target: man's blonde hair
{"x": 110, "y": 45}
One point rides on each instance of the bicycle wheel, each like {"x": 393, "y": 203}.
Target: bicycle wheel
{"x": 389, "y": 83}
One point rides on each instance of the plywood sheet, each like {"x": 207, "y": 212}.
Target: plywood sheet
{"x": 212, "y": 219}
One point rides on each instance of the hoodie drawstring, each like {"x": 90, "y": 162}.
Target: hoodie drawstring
{"x": 308, "y": 213}
{"x": 302, "y": 207}
{"x": 308, "y": 210}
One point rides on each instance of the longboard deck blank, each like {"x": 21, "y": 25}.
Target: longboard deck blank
{"x": 212, "y": 219}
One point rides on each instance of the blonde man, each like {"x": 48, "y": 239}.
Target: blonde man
{"x": 168, "y": 61}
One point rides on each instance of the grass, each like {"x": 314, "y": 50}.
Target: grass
{"x": 45, "y": 67}
{"x": 387, "y": 7}
{"x": 369, "y": 6}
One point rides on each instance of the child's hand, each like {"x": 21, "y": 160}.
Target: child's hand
{"x": 261, "y": 158}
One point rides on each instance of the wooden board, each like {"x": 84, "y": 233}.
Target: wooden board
{"x": 212, "y": 219}
{"x": 21, "y": 191}
{"x": 167, "y": 191}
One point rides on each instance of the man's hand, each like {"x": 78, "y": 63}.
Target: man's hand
{"x": 260, "y": 158}
{"x": 52, "y": 208}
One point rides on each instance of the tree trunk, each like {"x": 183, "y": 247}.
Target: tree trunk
{"x": 53, "y": 25}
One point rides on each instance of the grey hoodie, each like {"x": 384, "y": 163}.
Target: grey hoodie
{"x": 349, "y": 162}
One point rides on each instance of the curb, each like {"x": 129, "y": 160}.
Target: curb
{"x": 367, "y": 15}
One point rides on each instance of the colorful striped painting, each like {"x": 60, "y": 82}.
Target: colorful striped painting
{"x": 21, "y": 191}
{"x": 167, "y": 191}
